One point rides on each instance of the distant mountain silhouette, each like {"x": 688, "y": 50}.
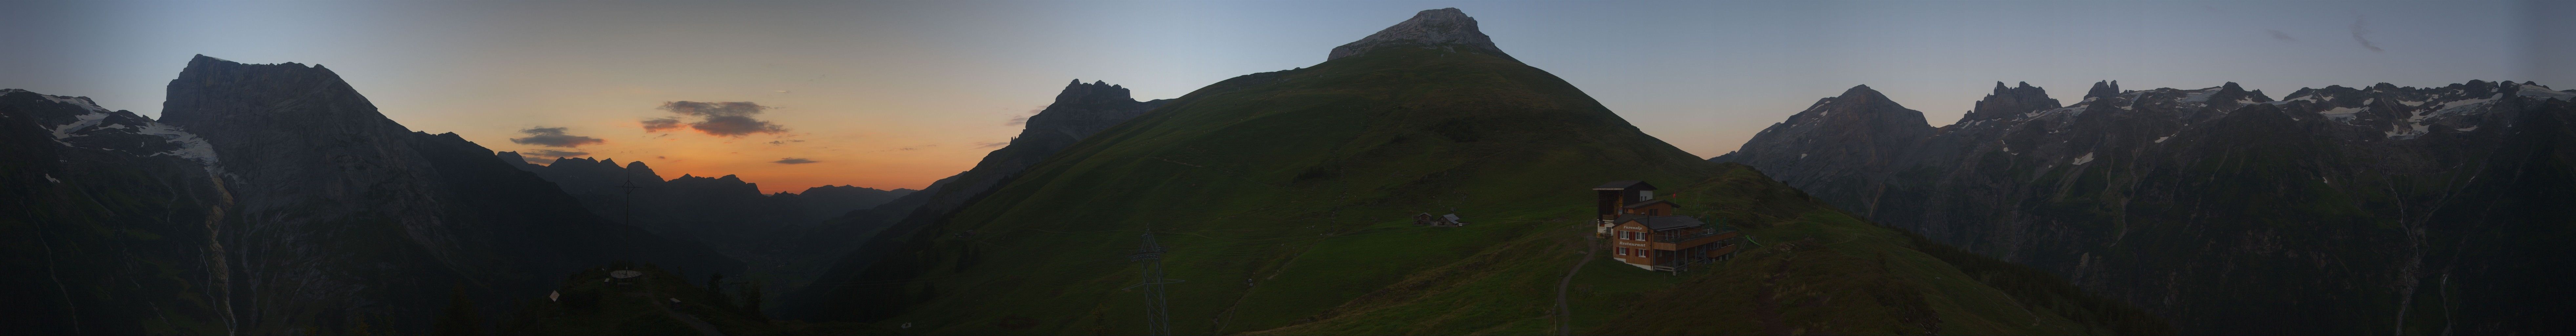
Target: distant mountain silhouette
{"x": 2334, "y": 210}
{"x": 780, "y": 234}
{"x": 274, "y": 199}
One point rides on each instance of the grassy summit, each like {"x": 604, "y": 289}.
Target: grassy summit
{"x": 1286, "y": 200}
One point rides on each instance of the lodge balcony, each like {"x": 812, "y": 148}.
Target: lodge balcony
{"x": 1675, "y": 241}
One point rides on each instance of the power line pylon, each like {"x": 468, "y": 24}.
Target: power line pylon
{"x": 1158, "y": 317}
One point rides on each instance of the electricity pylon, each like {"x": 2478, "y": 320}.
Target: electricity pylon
{"x": 1158, "y": 317}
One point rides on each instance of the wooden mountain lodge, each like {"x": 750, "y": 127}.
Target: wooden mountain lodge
{"x": 1644, "y": 232}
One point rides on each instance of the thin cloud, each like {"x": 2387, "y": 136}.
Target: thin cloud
{"x": 2283, "y": 37}
{"x": 661, "y": 124}
{"x": 983, "y": 145}
{"x": 2361, "y": 27}
{"x": 727, "y": 119}
{"x": 793, "y": 161}
{"x": 554, "y": 137}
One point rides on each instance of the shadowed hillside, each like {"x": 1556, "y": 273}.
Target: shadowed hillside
{"x": 1286, "y": 197}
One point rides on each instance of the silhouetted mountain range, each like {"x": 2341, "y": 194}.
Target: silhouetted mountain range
{"x": 782, "y": 236}
{"x": 272, "y": 199}
{"x": 1302, "y": 185}
{"x": 2337, "y": 210}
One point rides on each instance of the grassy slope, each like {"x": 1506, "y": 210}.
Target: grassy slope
{"x": 641, "y": 306}
{"x": 1285, "y": 197}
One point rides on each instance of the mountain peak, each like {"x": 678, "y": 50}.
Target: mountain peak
{"x": 1092, "y": 93}
{"x": 2007, "y": 101}
{"x": 1436, "y": 28}
{"x": 2103, "y": 89}
{"x": 216, "y": 95}
{"x": 1862, "y": 90}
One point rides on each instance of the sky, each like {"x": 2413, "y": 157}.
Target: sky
{"x": 898, "y": 94}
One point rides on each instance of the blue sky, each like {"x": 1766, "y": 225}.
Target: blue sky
{"x": 896, "y": 94}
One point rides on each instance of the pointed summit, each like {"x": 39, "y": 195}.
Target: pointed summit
{"x": 2103, "y": 89}
{"x": 2008, "y": 101}
{"x": 1445, "y": 28}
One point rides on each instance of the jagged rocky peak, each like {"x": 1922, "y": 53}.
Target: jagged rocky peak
{"x": 2103, "y": 89}
{"x": 255, "y": 107}
{"x": 1445, "y": 28}
{"x": 2008, "y": 101}
{"x": 2228, "y": 97}
{"x": 1096, "y": 92}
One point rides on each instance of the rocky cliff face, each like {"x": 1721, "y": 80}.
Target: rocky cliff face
{"x": 340, "y": 216}
{"x": 1081, "y": 110}
{"x": 112, "y": 222}
{"x": 1445, "y": 29}
{"x": 2336, "y": 210}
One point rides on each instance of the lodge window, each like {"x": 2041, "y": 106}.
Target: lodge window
{"x": 1623, "y": 251}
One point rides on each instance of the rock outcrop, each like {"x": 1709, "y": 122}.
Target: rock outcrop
{"x": 113, "y": 222}
{"x": 1446, "y": 29}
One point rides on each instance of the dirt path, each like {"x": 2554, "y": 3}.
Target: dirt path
{"x": 1565, "y": 318}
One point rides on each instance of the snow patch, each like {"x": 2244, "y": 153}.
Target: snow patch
{"x": 2470, "y": 128}
{"x": 2088, "y": 157}
{"x": 2537, "y": 92}
{"x": 2161, "y": 139}
{"x": 190, "y": 146}
{"x": 84, "y": 121}
{"x": 50, "y": 177}
{"x": 83, "y": 102}
{"x": 1802, "y": 156}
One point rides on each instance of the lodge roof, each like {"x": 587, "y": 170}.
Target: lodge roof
{"x": 1641, "y": 204}
{"x": 1660, "y": 223}
{"x": 1625, "y": 185}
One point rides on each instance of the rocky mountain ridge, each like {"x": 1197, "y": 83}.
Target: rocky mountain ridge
{"x": 115, "y": 219}
{"x": 273, "y": 198}
{"x": 1446, "y": 29}
{"x": 2220, "y": 207}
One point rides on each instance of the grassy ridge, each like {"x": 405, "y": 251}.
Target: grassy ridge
{"x": 1286, "y": 198}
